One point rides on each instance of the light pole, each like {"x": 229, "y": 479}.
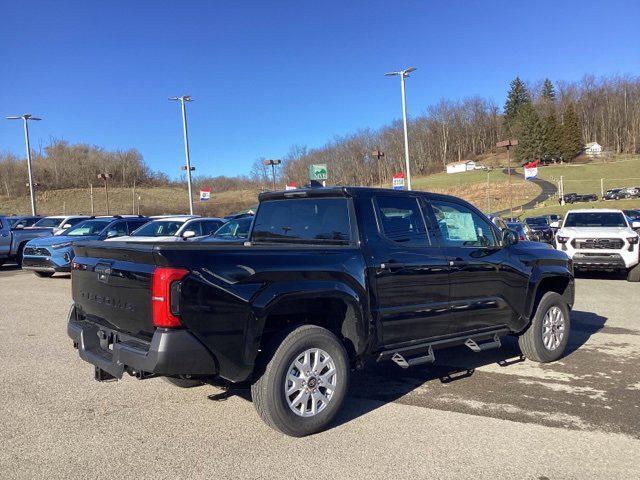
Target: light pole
{"x": 403, "y": 74}
{"x": 379, "y": 155}
{"x": 26, "y": 117}
{"x": 273, "y": 164}
{"x": 187, "y": 167}
{"x": 106, "y": 177}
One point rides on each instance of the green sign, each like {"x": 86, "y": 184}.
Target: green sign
{"x": 318, "y": 172}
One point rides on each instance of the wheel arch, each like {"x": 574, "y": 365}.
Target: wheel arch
{"x": 336, "y": 307}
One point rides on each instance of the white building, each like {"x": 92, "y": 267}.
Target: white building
{"x": 593, "y": 149}
{"x": 463, "y": 166}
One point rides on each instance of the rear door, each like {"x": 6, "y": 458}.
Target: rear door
{"x": 479, "y": 280}
{"x": 411, "y": 272}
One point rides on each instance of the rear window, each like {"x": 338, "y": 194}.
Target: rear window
{"x": 308, "y": 220}
{"x": 595, "y": 219}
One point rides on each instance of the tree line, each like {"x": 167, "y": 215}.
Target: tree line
{"x": 549, "y": 120}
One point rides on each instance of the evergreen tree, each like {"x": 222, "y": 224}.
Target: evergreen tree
{"x": 550, "y": 136}
{"x": 516, "y": 98}
{"x": 548, "y": 92}
{"x": 529, "y": 132}
{"x": 571, "y": 135}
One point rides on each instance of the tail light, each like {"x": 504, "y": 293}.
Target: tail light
{"x": 165, "y": 292}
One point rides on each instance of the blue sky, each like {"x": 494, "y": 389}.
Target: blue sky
{"x": 266, "y": 75}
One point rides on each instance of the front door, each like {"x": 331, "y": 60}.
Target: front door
{"x": 411, "y": 272}
{"x": 5, "y": 238}
{"x": 475, "y": 258}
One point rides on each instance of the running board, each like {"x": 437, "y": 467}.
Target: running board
{"x": 404, "y": 363}
{"x": 480, "y": 347}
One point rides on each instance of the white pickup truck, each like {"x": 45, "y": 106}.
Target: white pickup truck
{"x": 600, "y": 239}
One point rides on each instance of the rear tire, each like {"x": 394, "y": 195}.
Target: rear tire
{"x": 302, "y": 381}
{"x": 633, "y": 274}
{"x": 548, "y": 334}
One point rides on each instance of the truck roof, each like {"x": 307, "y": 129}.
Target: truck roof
{"x": 595, "y": 210}
{"x": 339, "y": 192}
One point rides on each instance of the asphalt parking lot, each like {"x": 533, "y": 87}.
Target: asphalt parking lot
{"x": 486, "y": 415}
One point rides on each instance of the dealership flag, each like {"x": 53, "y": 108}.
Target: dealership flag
{"x": 205, "y": 194}
{"x": 530, "y": 170}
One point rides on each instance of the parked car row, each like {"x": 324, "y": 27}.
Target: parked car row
{"x": 44, "y": 245}
{"x": 622, "y": 193}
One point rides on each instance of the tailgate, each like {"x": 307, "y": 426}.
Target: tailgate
{"x": 111, "y": 285}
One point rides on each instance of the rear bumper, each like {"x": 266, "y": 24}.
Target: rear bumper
{"x": 170, "y": 352}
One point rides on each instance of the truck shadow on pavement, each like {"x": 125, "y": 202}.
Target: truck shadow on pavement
{"x": 379, "y": 384}
{"x": 384, "y": 383}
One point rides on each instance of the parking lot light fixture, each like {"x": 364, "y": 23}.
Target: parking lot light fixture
{"x": 187, "y": 167}
{"x": 26, "y": 117}
{"x": 273, "y": 164}
{"x": 106, "y": 177}
{"x": 403, "y": 74}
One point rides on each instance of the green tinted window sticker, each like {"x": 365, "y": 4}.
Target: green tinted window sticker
{"x": 460, "y": 226}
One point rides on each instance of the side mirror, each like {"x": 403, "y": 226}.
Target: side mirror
{"x": 509, "y": 237}
{"x": 188, "y": 234}
{"x": 112, "y": 233}
{"x": 635, "y": 224}
{"x": 67, "y": 225}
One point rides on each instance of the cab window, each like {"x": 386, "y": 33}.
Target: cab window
{"x": 462, "y": 227}
{"x": 400, "y": 220}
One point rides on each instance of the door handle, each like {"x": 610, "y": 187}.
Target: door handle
{"x": 458, "y": 262}
{"x": 391, "y": 266}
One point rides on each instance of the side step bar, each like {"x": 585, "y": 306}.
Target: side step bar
{"x": 404, "y": 363}
{"x": 476, "y": 347}
{"x": 412, "y": 355}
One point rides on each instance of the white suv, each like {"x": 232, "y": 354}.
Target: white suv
{"x": 600, "y": 239}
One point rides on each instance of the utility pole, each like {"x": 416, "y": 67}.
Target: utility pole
{"x": 379, "y": 155}
{"x": 106, "y": 177}
{"x": 183, "y": 99}
{"x": 508, "y": 144}
{"x": 26, "y": 117}
{"x": 403, "y": 74}
{"x": 91, "y": 196}
{"x": 273, "y": 164}
{"x": 133, "y": 199}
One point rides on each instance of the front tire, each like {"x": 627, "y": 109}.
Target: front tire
{"x": 633, "y": 275}
{"x": 44, "y": 274}
{"x": 303, "y": 381}
{"x": 548, "y": 334}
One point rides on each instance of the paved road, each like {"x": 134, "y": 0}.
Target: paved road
{"x": 547, "y": 189}
{"x": 577, "y": 418}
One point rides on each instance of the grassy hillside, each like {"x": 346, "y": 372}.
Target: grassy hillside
{"x": 472, "y": 186}
{"x": 152, "y": 201}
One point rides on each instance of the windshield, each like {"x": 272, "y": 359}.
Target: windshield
{"x": 159, "y": 228}
{"x": 595, "y": 219}
{"x": 49, "y": 222}
{"x": 536, "y": 221}
{"x": 238, "y": 228}
{"x": 87, "y": 228}
{"x": 309, "y": 220}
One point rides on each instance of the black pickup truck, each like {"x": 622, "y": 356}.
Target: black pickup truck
{"x": 327, "y": 279}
